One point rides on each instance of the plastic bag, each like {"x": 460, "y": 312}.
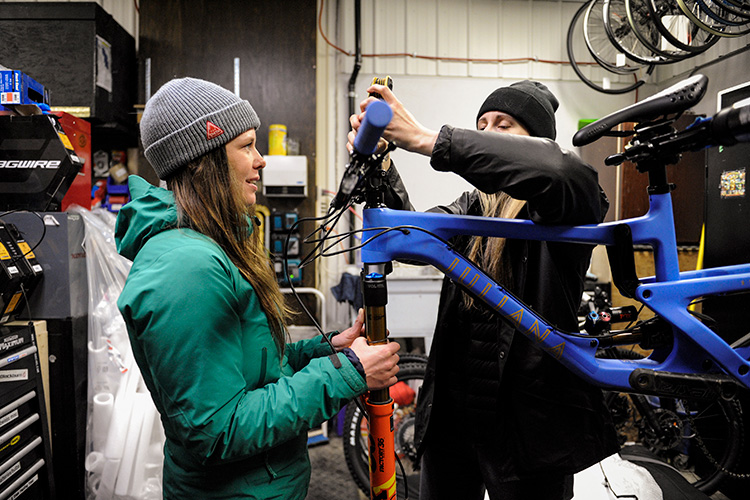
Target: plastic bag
{"x": 124, "y": 436}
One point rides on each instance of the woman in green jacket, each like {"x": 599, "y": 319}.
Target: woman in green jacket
{"x": 206, "y": 318}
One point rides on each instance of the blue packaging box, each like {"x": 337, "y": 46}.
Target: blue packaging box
{"x": 19, "y": 88}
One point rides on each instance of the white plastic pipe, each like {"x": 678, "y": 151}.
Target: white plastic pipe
{"x": 135, "y": 429}
{"x": 109, "y": 476}
{"x": 98, "y": 369}
{"x": 101, "y": 417}
{"x": 94, "y": 462}
{"x": 118, "y": 429}
{"x": 141, "y": 462}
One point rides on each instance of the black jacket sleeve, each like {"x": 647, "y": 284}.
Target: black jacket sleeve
{"x": 559, "y": 187}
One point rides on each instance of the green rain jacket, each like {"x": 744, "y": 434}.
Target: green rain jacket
{"x": 235, "y": 413}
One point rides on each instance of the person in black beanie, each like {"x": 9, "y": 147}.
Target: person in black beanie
{"x": 495, "y": 412}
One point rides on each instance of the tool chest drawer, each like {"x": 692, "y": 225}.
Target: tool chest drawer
{"x": 30, "y": 485}
{"x": 20, "y": 462}
{"x": 25, "y": 457}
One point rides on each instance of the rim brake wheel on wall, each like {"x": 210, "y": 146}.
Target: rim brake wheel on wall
{"x": 704, "y": 18}
{"x": 677, "y": 29}
{"x": 645, "y": 28}
{"x": 599, "y": 45}
{"x": 575, "y": 30}
{"x": 624, "y": 38}
{"x": 355, "y": 440}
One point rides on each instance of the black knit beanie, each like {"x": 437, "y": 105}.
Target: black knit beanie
{"x": 188, "y": 117}
{"x": 531, "y": 103}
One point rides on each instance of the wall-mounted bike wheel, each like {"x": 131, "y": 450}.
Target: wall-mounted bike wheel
{"x": 678, "y": 29}
{"x": 575, "y": 30}
{"x": 719, "y": 13}
{"x": 622, "y": 36}
{"x": 644, "y": 28}
{"x": 599, "y": 45}
{"x": 693, "y": 10}
{"x": 739, "y": 7}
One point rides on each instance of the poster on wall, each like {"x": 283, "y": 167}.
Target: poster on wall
{"x": 103, "y": 64}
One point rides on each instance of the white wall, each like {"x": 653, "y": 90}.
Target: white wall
{"x": 438, "y": 100}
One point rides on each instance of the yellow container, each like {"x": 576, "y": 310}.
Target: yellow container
{"x": 277, "y": 139}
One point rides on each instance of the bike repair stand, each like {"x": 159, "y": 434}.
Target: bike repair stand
{"x": 379, "y": 404}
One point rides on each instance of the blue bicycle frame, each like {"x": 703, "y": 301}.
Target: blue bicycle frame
{"x": 693, "y": 362}
{"x": 668, "y": 293}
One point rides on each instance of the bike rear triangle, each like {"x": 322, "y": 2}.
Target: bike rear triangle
{"x": 675, "y": 99}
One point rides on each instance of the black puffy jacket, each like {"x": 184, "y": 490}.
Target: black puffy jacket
{"x": 483, "y": 378}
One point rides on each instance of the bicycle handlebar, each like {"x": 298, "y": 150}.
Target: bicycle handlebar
{"x": 732, "y": 125}
{"x": 674, "y": 99}
{"x": 377, "y": 116}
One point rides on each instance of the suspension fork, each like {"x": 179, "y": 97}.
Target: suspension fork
{"x": 378, "y": 403}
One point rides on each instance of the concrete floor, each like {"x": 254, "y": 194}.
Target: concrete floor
{"x": 331, "y": 479}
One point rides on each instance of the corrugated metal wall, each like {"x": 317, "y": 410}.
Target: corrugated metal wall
{"x": 517, "y": 39}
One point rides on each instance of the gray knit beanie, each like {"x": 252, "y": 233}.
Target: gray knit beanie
{"x": 186, "y": 118}
{"x": 531, "y": 103}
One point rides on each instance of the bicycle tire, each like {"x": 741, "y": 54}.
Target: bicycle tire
{"x": 678, "y": 29}
{"x": 738, "y": 10}
{"x": 572, "y": 32}
{"x": 645, "y": 29}
{"x": 742, "y": 8}
{"x": 723, "y": 441}
{"x": 623, "y": 37}
{"x": 599, "y": 45}
{"x": 697, "y": 15}
{"x": 721, "y": 14}
{"x": 356, "y": 437}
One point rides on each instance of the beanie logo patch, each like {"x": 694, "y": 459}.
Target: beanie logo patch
{"x": 212, "y": 130}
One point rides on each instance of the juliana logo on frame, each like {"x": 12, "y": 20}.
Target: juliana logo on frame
{"x": 30, "y": 163}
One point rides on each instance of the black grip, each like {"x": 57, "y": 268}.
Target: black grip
{"x": 732, "y": 125}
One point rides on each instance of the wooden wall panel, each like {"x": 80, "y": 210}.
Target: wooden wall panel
{"x": 276, "y": 44}
{"x": 688, "y": 199}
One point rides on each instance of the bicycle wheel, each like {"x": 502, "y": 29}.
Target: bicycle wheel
{"x": 741, "y": 7}
{"x": 677, "y": 29}
{"x": 701, "y": 439}
{"x": 693, "y": 10}
{"x": 575, "y": 29}
{"x": 718, "y": 11}
{"x": 622, "y": 36}
{"x": 644, "y": 28}
{"x": 599, "y": 45}
{"x": 356, "y": 435}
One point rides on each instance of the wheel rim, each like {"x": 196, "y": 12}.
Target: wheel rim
{"x": 678, "y": 29}
{"x": 622, "y": 35}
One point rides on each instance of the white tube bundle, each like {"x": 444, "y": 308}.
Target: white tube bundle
{"x": 101, "y": 416}
{"x": 123, "y": 426}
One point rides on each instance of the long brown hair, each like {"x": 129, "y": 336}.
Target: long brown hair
{"x": 210, "y": 201}
{"x": 489, "y": 253}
